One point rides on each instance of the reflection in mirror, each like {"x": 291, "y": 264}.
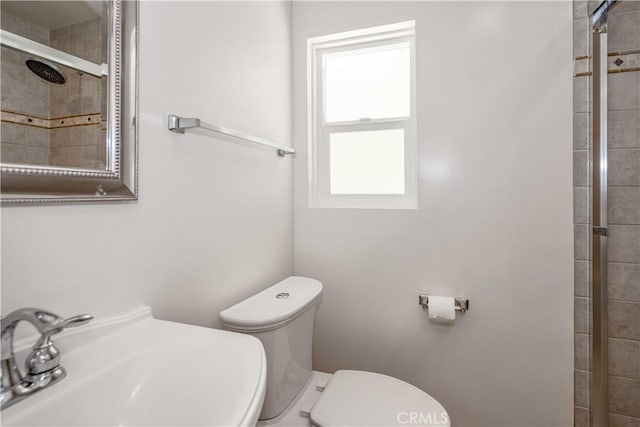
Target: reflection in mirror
{"x": 52, "y": 114}
{"x": 69, "y": 100}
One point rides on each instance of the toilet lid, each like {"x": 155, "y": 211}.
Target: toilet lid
{"x": 354, "y": 398}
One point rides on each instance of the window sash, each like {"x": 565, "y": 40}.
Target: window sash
{"x": 363, "y": 45}
{"x": 319, "y": 130}
{"x": 323, "y": 156}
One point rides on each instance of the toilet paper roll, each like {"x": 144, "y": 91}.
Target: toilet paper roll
{"x": 442, "y": 308}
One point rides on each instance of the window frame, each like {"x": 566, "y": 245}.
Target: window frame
{"x": 319, "y": 131}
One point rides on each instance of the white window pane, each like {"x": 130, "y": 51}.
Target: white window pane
{"x": 367, "y": 83}
{"x": 367, "y": 162}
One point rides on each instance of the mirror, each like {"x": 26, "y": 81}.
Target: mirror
{"x": 69, "y": 101}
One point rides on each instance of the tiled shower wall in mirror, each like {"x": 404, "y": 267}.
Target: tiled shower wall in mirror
{"x": 54, "y": 124}
{"x": 623, "y": 211}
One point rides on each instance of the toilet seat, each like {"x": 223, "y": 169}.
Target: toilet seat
{"x": 365, "y": 398}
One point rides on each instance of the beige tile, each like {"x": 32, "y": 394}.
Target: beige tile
{"x": 624, "y": 91}
{"x": 37, "y": 137}
{"x": 581, "y": 241}
{"x": 92, "y": 56}
{"x": 581, "y": 417}
{"x": 89, "y": 104}
{"x": 12, "y": 57}
{"x": 74, "y": 156}
{"x": 581, "y": 36}
{"x": 12, "y": 153}
{"x": 88, "y": 85}
{"x": 581, "y": 207}
{"x": 75, "y": 30}
{"x": 624, "y": 358}
{"x": 624, "y": 129}
{"x": 581, "y": 351}
{"x": 60, "y": 107}
{"x": 37, "y": 105}
{"x": 581, "y": 315}
{"x": 89, "y": 135}
{"x": 73, "y": 82}
{"x": 37, "y": 33}
{"x": 58, "y": 91}
{"x": 12, "y": 134}
{"x": 580, "y": 9}
{"x": 581, "y": 131}
{"x": 36, "y": 155}
{"x": 90, "y": 41}
{"x": 12, "y": 23}
{"x": 68, "y": 137}
{"x": 624, "y": 205}
{"x": 75, "y": 105}
{"x": 616, "y": 420}
{"x": 592, "y": 5}
{"x": 13, "y": 100}
{"x": 623, "y": 167}
{"x": 624, "y": 243}
{"x": 581, "y": 94}
{"x": 625, "y": 7}
{"x": 624, "y": 396}
{"x": 14, "y": 77}
{"x": 581, "y": 388}
{"x": 624, "y": 281}
{"x": 581, "y": 168}
{"x": 624, "y": 31}
{"x": 624, "y": 320}
{"x": 581, "y": 278}
{"x": 62, "y": 43}
{"x": 37, "y": 86}
{"x": 75, "y": 46}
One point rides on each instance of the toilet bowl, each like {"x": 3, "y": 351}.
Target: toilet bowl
{"x": 282, "y": 317}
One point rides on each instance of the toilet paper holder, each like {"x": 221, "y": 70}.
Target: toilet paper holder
{"x": 461, "y": 304}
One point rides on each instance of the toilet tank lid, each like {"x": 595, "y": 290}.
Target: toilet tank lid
{"x": 274, "y": 306}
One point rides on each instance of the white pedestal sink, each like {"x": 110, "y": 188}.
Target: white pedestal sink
{"x": 134, "y": 370}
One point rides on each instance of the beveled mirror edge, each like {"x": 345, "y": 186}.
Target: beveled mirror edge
{"x": 59, "y": 185}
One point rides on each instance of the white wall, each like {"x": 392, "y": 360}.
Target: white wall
{"x": 213, "y": 223}
{"x": 494, "y": 223}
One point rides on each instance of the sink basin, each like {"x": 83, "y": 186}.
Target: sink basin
{"x": 135, "y": 370}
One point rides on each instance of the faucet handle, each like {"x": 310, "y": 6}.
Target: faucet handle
{"x": 79, "y": 320}
{"x": 59, "y": 324}
{"x": 45, "y": 356}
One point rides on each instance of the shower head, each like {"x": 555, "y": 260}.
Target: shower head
{"x": 46, "y": 71}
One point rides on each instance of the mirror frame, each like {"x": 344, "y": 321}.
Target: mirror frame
{"x": 30, "y": 184}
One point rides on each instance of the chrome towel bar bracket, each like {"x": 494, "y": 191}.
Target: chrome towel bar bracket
{"x": 179, "y": 124}
{"x": 462, "y": 304}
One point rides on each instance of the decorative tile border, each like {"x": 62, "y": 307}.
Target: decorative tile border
{"x": 618, "y": 62}
{"x": 92, "y": 119}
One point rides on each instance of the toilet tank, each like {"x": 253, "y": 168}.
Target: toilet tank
{"x": 282, "y": 317}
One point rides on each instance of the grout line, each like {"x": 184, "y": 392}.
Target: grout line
{"x": 625, "y": 377}
{"x": 626, "y": 416}
{"x": 612, "y": 71}
{"x": 49, "y": 118}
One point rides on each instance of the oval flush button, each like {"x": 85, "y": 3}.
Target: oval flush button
{"x": 282, "y": 295}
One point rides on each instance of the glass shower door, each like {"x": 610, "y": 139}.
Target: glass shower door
{"x": 607, "y": 213}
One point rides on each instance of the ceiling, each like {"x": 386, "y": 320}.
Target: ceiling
{"x": 52, "y": 14}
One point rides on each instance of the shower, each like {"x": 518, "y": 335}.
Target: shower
{"x": 46, "y": 71}
{"x": 607, "y": 269}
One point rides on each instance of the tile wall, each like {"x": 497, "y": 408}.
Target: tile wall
{"x": 623, "y": 212}
{"x": 45, "y": 123}
{"x": 23, "y": 92}
{"x": 82, "y": 145}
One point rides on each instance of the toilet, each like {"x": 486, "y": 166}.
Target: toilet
{"x": 282, "y": 317}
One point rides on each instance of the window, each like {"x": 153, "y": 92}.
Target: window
{"x": 362, "y": 132}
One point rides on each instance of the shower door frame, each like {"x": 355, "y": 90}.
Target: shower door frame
{"x": 599, "y": 259}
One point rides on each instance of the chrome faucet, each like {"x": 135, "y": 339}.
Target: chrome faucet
{"x": 43, "y": 363}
